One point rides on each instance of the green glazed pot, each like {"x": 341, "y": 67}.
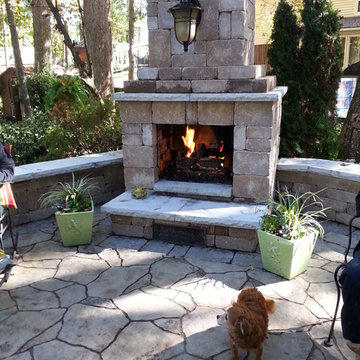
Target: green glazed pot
{"x": 75, "y": 228}
{"x": 286, "y": 258}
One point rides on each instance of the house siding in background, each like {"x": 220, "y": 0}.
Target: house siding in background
{"x": 350, "y": 31}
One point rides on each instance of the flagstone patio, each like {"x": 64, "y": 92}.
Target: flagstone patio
{"x": 126, "y": 298}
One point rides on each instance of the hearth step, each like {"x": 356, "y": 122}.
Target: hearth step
{"x": 226, "y": 225}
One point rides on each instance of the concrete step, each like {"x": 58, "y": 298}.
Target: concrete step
{"x": 178, "y": 209}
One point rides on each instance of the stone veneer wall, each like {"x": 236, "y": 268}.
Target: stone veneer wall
{"x": 32, "y": 180}
{"x": 340, "y": 181}
{"x": 220, "y": 60}
{"x": 256, "y": 139}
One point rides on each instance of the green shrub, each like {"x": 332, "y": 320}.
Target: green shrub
{"x": 38, "y": 86}
{"x": 307, "y": 58}
{"x": 68, "y": 120}
{"x": 26, "y": 137}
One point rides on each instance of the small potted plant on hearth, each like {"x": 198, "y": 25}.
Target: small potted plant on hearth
{"x": 74, "y": 209}
{"x": 288, "y": 234}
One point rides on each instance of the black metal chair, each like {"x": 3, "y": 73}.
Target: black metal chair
{"x": 328, "y": 342}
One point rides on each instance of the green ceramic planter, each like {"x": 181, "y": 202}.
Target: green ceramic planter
{"x": 284, "y": 257}
{"x": 75, "y": 228}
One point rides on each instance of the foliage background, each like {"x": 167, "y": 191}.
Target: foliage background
{"x": 68, "y": 120}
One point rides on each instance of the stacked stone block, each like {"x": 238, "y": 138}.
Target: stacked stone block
{"x": 338, "y": 194}
{"x": 108, "y": 178}
{"x": 216, "y": 236}
{"x": 256, "y": 140}
{"x": 221, "y": 60}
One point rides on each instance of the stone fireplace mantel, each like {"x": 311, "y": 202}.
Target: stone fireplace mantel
{"x": 274, "y": 95}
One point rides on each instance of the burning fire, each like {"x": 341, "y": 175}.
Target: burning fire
{"x": 188, "y": 140}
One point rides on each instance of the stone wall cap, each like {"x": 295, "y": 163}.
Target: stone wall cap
{"x": 121, "y": 96}
{"x": 274, "y": 95}
{"x": 336, "y": 169}
{"x": 63, "y": 166}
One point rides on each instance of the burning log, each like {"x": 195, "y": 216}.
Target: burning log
{"x": 185, "y": 163}
{"x": 213, "y": 163}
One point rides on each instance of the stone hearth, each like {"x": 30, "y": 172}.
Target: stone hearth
{"x": 215, "y": 84}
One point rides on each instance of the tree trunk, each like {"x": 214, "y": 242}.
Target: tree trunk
{"x": 98, "y": 39}
{"x": 5, "y": 37}
{"x": 20, "y": 74}
{"x": 80, "y": 64}
{"x": 42, "y": 35}
{"x": 131, "y": 39}
{"x": 349, "y": 142}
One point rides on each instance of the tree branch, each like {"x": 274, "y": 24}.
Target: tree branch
{"x": 78, "y": 62}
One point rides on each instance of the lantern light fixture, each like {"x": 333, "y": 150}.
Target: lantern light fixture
{"x": 187, "y": 16}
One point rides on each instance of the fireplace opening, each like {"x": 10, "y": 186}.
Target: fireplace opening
{"x": 200, "y": 153}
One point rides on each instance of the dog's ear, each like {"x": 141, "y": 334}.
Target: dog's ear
{"x": 244, "y": 326}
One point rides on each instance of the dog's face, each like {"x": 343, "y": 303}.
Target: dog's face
{"x": 234, "y": 317}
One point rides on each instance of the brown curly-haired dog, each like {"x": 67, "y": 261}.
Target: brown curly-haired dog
{"x": 247, "y": 321}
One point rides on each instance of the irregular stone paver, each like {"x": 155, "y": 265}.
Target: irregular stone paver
{"x": 44, "y": 264}
{"x": 57, "y": 350}
{"x": 133, "y": 257}
{"x": 95, "y": 334}
{"x": 315, "y": 308}
{"x": 111, "y": 257}
{"x": 204, "y": 336}
{"x": 207, "y": 343}
{"x": 80, "y": 270}
{"x": 324, "y": 294}
{"x": 50, "y": 285}
{"x": 141, "y": 306}
{"x": 122, "y": 242}
{"x": 28, "y": 299}
{"x": 316, "y": 275}
{"x": 210, "y": 254}
{"x": 23, "y": 356}
{"x": 106, "y": 286}
{"x": 144, "y": 340}
{"x": 5, "y": 301}
{"x": 158, "y": 247}
{"x": 48, "y": 250}
{"x": 34, "y": 237}
{"x": 48, "y": 335}
{"x": 290, "y": 316}
{"x": 247, "y": 260}
{"x": 165, "y": 297}
{"x": 168, "y": 271}
{"x": 71, "y": 295}
{"x": 22, "y": 326}
{"x": 298, "y": 346}
{"x": 23, "y": 276}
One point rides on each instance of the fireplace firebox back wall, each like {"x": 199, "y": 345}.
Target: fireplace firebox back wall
{"x": 198, "y": 153}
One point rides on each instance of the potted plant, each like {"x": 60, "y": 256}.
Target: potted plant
{"x": 74, "y": 209}
{"x": 288, "y": 234}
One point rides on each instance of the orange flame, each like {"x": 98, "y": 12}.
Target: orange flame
{"x": 221, "y": 146}
{"x": 188, "y": 140}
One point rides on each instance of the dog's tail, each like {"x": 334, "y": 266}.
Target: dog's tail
{"x": 270, "y": 305}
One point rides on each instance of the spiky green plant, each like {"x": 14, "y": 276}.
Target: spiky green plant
{"x": 70, "y": 197}
{"x": 294, "y": 215}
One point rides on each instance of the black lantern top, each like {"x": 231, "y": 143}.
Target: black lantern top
{"x": 187, "y": 16}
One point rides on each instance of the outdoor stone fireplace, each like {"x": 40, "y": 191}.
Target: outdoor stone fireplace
{"x": 211, "y": 193}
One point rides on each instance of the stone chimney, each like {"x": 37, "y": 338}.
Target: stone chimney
{"x": 221, "y": 60}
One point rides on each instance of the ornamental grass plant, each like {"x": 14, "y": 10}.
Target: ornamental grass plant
{"x": 293, "y": 215}
{"x": 70, "y": 197}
